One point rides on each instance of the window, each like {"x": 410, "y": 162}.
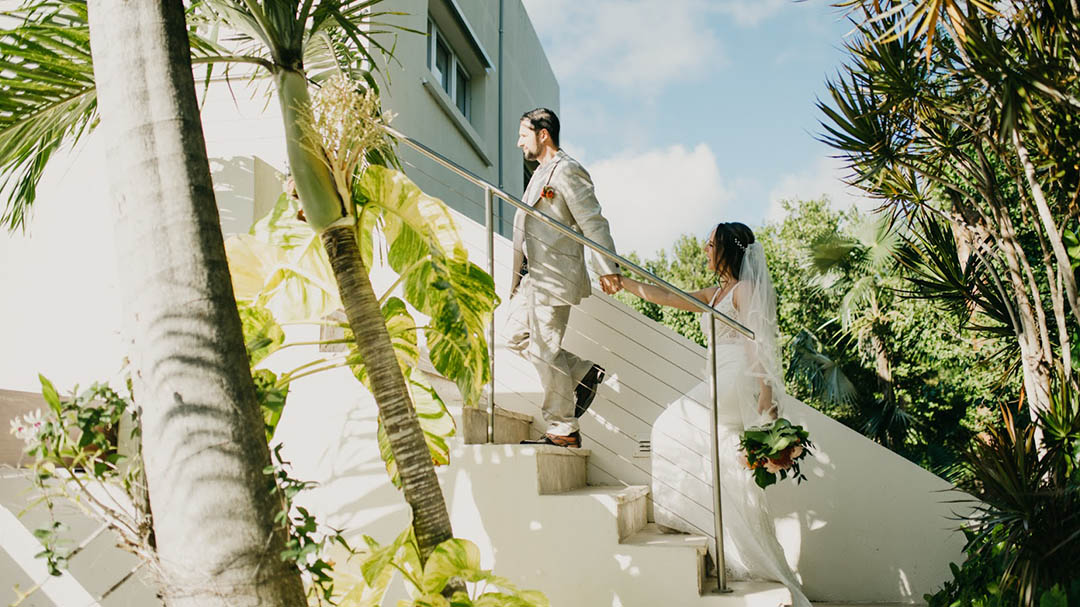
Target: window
{"x": 448, "y": 71}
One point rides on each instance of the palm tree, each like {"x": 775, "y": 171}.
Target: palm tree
{"x": 966, "y": 111}
{"x": 49, "y": 100}
{"x": 215, "y": 534}
{"x": 861, "y": 268}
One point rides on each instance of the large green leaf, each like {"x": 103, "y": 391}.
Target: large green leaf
{"x": 406, "y": 205}
{"x": 283, "y": 267}
{"x": 262, "y": 334}
{"x": 439, "y": 280}
{"x": 452, "y": 558}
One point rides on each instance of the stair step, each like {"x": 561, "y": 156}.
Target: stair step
{"x": 746, "y": 594}
{"x": 627, "y": 502}
{"x": 650, "y": 535}
{"x": 511, "y": 427}
{"x": 620, "y": 493}
{"x": 559, "y": 469}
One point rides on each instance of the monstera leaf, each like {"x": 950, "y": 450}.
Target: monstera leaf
{"x": 426, "y": 250}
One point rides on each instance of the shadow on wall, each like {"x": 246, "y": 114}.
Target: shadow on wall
{"x": 234, "y": 188}
{"x": 328, "y": 434}
{"x": 246, "y": 188}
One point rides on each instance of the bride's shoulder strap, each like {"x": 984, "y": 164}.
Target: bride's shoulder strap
{"x": 716, "y": 291}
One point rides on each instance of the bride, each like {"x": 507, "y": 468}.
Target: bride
{"x": 749, "y": 392}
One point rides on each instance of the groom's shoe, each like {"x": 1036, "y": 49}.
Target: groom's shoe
{"x": 573, "y": 440}
{"x": 586, "y": 389}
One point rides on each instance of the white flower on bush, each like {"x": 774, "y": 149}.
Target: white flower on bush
{"x": 26, "y": 427}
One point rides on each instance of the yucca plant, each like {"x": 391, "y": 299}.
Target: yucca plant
{"x": 1028, "y": 498}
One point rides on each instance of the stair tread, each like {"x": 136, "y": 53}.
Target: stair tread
{"x": 651, "y": 535}
{"x": 523, "y": 449}
{"x": 621, "y": 493}
{"x": 501, "y": 412}
{"x": 747, "y": 588}
{"x": 551, "y": 450}
{"x": 524, "y": 417}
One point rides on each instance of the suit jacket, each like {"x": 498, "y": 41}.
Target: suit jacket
{"x": 556, "y": 262}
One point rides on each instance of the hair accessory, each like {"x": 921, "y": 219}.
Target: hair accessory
{"x": 738, "y": 242}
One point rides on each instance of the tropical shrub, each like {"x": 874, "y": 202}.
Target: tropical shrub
{"x": 1024, "y": 532}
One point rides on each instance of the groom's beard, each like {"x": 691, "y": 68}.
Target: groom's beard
{"x": 534, "y": 154}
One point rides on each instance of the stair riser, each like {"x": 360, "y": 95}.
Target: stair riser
{"x": 508, "y": 430}
{"x": 557, "y": 473}
{"x": 632, "y": 517}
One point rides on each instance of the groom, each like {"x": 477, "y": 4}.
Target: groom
{"x": 550, "y": 276}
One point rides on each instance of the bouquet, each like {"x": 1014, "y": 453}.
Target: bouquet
{"x": 773, "y": 449}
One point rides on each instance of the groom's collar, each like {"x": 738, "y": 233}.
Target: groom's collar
{"x": 559, "y": 155}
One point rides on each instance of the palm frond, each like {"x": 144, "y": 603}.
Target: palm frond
{"x": 886, "y": 422}
{"x": 932, "y": 260}
{"x": 823, "y": 374}
{"x": 881, "y": 240}
{"x": 47, "y": 96}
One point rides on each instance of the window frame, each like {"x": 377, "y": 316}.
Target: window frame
{"x": 448, "y": 82}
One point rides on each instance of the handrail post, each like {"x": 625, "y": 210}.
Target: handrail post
{"x": 490, "y": 221}
{"x": 718, "y": 516}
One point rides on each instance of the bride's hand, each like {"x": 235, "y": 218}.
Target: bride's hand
{"x": 766, "y": 406}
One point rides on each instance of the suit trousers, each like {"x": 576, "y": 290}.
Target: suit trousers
{"x": 536, "y": 333}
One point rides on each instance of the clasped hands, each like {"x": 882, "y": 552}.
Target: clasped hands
{"x": 611, "y": 283}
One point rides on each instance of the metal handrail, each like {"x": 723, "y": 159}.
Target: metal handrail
{"x": 568, "y": 231}
{"x": 490, "y": 190}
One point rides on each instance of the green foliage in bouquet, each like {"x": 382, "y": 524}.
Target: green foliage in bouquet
{"x": 775, "y": 449}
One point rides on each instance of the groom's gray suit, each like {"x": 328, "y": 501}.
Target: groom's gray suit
{"x": 556, "y": 278}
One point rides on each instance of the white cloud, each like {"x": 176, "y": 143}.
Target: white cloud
{"x": 631, "y": 44}
{"x": 652, "y": 198}
{"x": 823, "y": 178}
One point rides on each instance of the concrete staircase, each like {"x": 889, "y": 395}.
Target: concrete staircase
{"x": 541, "y": 525}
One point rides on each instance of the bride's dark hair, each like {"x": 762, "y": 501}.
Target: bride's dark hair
{"x": 729, "y": 241}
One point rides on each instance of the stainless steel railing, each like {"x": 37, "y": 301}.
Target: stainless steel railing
{"x": 490, "y": 192}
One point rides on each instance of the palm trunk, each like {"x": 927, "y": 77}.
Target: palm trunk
{"x": 883, "y": 370}
{"x": 204, "y": 446}
{"x": 431, "y": 522}
{"x": 327, "y": 214}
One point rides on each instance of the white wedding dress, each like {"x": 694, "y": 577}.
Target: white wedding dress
{"x": 681, "y": 442}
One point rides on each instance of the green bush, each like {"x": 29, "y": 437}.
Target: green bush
{"x": 1023, "y": 536}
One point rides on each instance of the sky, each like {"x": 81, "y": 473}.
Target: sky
{"x": 692, "y": 112}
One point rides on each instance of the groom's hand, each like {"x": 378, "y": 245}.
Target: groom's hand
{"x": 611, "y": 283}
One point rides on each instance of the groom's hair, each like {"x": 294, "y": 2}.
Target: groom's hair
{"x": 543, "y": 118}
{"x": 730, "y": 240}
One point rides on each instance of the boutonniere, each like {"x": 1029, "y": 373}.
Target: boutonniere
{"x": 548, "y": 192}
